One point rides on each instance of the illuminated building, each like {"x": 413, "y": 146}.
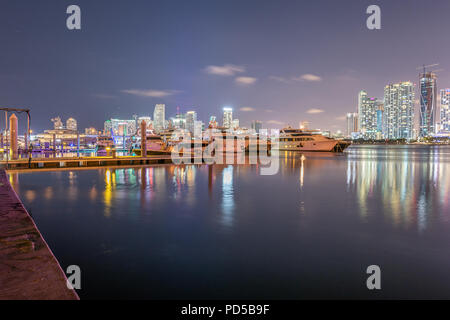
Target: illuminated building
{"x": 179, "y": 122}
{"x": 212, "y": 122}
{"x": 428, "y": 104}
{"x": 116, "y": 127}
{"x": 256, "y": 125}
{"x": 352, "y": 124}
{"x": 191, "y": 118}
{"x": 91, "y": 131}
{"x": 367, "y": 116}
{"x": 71, "y": 124}
{"x": 57, "y": 123}
{"x": 398, "y": 115}
{"x": 445, "y": 111}
{"x": 159, "y": 117}
{"x": 235, "y": 124}
{"x": 227, "y": 117}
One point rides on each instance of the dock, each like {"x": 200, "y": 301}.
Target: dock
{"x": 87, "y": 162}
{"x": 28, "y": 268}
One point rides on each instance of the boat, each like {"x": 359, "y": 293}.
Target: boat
{"x": 155, "y": 145}
{"x": 105, "y": 144}
{"x": 308, "y": 141}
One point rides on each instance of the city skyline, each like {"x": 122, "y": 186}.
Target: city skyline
{"x": 103, "y": 72}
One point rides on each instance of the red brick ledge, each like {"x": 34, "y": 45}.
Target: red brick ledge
{"x": 28, "y": 268}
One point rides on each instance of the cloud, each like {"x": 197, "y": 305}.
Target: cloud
{"x": 280, "y": 79}
{"x": 308, "y": 77}
{"x": 226, "y": 70}
{"x": 314, "y": 111}
{"x": 245, "y": 81}
{"x": 341, "y": 118}
{"x": 304, "y": 77}
{"x": 269, "y": 110}
{"x": 247, "y": 109}
{"x": 150, "y": 93}
{"x": 275, "y": 122}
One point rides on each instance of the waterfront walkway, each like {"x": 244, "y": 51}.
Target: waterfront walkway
{"x": 28, "y": 268}
{"x": 87, "y": 162}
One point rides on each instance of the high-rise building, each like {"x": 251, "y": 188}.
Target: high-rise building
{"x": 235, "y": 124}
{"x": 191, "y": 118}
{"x": 352, "y": 124}
{"x": 71, "y": 124}
{"x": 367, "y": 116}
{"x": 159, "y": 117}
{"x": 445, "y": 111}
{"x": 380, "y": 111}
{"x": 227, "y": 117}
{"x": 304, "y": 125}
{"x": 398, "y": 115}
{"x": 116, "y": 127}
{"x": 57, "y": 123}
{"x": 428, "y": 104}
{"x": 256, "y": 125}
{"x": 212, "y": 122}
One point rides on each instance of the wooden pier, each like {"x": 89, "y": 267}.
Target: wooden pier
{"x": 28, "y": 268}
{"x": 87, "y": 162}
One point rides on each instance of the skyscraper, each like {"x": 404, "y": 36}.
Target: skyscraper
{"x": 398, "y": 115}
{"x": 445, "y": 111}
{"x": 367, "y": 116}
{"x": 191, "y": 118}
{"x": 227, "y": 117}
{"x": 352, "y": 124}
{"x": 159, "y": 117}
{"x": 256, "y": 125}
{"x": 428, "y": 104}
{"x": 71, "y": 124}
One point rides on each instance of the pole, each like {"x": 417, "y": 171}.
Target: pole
{"x": 13, "y": 124}
{"x": 143, "y": 139}
{"x": 78, "y": 145}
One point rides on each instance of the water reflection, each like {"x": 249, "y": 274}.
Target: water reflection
{"x": 410, "y": 184}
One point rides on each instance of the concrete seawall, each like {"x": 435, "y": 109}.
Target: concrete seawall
{"x": 28, "y": 268}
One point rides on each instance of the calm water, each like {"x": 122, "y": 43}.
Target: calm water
{"x": 227, "y": 232}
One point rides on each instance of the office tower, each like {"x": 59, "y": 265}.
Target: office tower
{"x": 256, "y": 125}
{"x": 71, "y": 124}
{"x": 398, "y": 115}
{"x": 352, "y": 124}
{"x": 57, "y": 123}
{"x": 428, "y": 104}
{"x": 235, "y": 124}
{"x": 116, "y": 127}
{"x": 159, "y": 117}
{"x": 367, "y": 116}
{"x": 212, "y": 122}
{"x": 380, "y": 111}
{"x": 304, "y": 125}
{"x": 191, "y": 118}
{"x": 227, "y": 117}
{"x": 445, "y": 111}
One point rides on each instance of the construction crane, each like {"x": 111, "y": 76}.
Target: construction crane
{"x": 424, "y": 68}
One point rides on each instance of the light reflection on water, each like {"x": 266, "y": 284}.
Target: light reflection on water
{"x": 308, "y": 231}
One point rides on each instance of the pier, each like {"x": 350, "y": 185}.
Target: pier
{"x": 28, "y": 268}
{"x": 86, "y": 162}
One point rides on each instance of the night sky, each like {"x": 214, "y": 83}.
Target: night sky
{"x": 279, "y": 61}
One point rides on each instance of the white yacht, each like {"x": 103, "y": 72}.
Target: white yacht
{"x": 309, "y": 141}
